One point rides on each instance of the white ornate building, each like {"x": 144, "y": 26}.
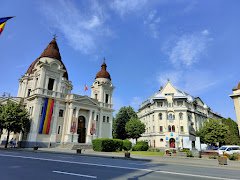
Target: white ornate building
{"x": 59, "y": 117}
{"x": 168, "y": 114}
{"x": 236, "y": 100}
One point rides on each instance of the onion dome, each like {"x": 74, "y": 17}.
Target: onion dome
{"x": 52, "y": 51}
{"x": 103, "y": 72}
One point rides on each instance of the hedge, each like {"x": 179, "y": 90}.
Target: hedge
{"x": 127, "y": 145}
{"x": 141, "y": 146}
{"x": 107, "y": 145}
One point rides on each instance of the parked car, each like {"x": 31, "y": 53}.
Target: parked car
{"x": 229, "y": 149}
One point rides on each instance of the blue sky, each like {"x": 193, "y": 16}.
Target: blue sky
{"x": 193, "y": 43}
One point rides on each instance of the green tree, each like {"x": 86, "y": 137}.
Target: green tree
{"x": 14, "y": 118}
{"x": 134, "y": 128}
{"x": 213, "y": 131}
{"x": 233, "y": 134}
{"x": 122, "y": 117}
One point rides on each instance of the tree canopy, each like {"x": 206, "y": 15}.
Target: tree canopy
{"x": 122, "y": 117}
{"x": 134, "y": 128}
{"x": 213, "y": 132}
{"x": 233, "y": 134}
{"x": 14, "y": 118}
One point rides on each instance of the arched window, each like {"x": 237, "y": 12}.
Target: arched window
{"x": 173, "y": 128}
{"x": 169, "y": 128}
{"x": 180, "y": 116}
{"x": 160, "y": 116}
{"x": 161, "y": 140}
{"x": 171, "y": 116}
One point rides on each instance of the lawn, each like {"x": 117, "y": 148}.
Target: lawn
{"x": 147, "y": 153}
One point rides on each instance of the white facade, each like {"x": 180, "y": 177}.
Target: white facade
{"x": 75, "y": 118}
{"x": 168, "y": 114}
{"x": 236, "y": 100}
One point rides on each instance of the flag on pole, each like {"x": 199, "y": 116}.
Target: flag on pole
{"x": 3, "y": 23}
{"x": 85, "y": 87}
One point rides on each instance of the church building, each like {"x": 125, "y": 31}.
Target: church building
{"x": 236, "y": 100}
{"x": 57, "y": 115}
{"x": 172, "y": 117}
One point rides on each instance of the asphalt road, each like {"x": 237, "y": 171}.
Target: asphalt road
{"x": 15, "y": 165}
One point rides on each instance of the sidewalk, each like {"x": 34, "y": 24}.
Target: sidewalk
{"x": 154, "y": 159}
{"x": 184, "y": 161}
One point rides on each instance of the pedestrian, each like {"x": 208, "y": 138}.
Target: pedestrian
{"x": 14, "y": 143}
{"x": 11, "y": 143}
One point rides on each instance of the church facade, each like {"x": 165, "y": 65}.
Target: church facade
{"x": 57, "y": 115}
{"x": 172, "y": 117}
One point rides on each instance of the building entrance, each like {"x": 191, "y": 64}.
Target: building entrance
{"x": 172, "y": 143}
{"x": 81, "y": 129}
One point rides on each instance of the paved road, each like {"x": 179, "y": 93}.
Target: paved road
{"x": 22, "y": 165}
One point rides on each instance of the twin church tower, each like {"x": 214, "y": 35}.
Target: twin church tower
{"x": 57, "y": 115}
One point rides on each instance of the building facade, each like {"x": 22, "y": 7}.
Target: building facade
{"x": 236, "y": 99}
{"x": 170, "y": 115}
{"x": 57, "y": 115}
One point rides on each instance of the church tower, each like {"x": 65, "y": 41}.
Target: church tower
{"x": 102, "y": 88}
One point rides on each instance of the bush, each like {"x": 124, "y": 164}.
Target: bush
{"x": 189, "y": 154}
{"x": 233, "y": 156}
{"x": 141, "y": 146}
{"x": 154, "y": 150}
{"x": 107, "y": 145}
{"x": 127, "y": 145}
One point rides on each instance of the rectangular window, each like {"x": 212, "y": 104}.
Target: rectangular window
{"x": 104, "y": 118}
{"x": 181, "y": 129}
{"x": 29, "y": 92}
{"x": 107, "y": 119}
{"x": 50, "y": 84}
{"x": 161, "y": 129}
{"x": 179, "y": 103}
{"x": 95, "y": 96}
{"x": 60, "y": 113}
{"x": 59, "y": 129}
{"x": 97, "y": 118}
{"x": 106, "y": 98}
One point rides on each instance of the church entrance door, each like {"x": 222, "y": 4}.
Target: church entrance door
{"x": 172, "y": 143}
{"x": 81, "y": 129}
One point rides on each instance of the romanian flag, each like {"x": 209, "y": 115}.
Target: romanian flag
{"x": 46, "y": 118}
{"x": 3, "y": 22}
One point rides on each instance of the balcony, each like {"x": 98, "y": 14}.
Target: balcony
{"x": 47, "y": 92}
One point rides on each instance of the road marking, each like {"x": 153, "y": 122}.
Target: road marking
{"x": 140, "y": 164}
{"x": 119, "y": 167}
{"x": 74, "y": 174}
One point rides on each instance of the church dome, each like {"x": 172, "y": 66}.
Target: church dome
{"x": 103, "y": 72}
{"x": 52, "y": 51}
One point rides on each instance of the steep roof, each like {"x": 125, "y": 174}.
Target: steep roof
{"x": 51, "y": 51}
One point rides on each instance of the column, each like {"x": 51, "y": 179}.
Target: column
{"x": 110, "y": 133}
{"x": 75, "y": 135}
{"x": 54, "y": 123}
{"x": 89, "y": 136}
{"x": 100, "y": 125}
{"x": 32, "y": 137}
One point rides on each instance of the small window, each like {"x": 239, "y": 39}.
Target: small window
{"x": 50, "y": 84}
{"x": 173, "y": 128}
{"x": 161, "y": 140}
{"x": 180, "y": 116}
{"x": 60, "y": 113}
{"x": 160, "y": 116}
{"x": 107, "y": 119}
{"x": 161, "y": 129}
{"x": 106, "y": 98}
{"x": 97, "y": 118}
{"x": 95, "y": 96}
{"x": 29, "y": 92}
{"x": 59, "y": 129}
{"x": 169, "y": 128}
{"x": 181, "y": 129}
{"x": 104, "y": 118}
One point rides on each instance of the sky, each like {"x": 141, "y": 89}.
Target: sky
{"x": 194, "y": 43}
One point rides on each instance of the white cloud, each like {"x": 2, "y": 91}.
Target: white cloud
{"x": 123, "y": 7}
{"x": 188, "y": 48}
{"x": 83, "y": 27}
{"x": 152, "y": 23}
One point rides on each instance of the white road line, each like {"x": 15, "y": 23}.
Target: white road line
{"x": 74, "y": 174}
{"x": 139, "y": 164}
{"x": 119, "y": 167}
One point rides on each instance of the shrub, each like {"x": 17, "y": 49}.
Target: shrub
{"x": 141, "y": 146}
{"x": 233, "y": 156}
{"x": 127, "y": 145}
{"x": 107, "y": 145}
{"x": 189, "y": 154}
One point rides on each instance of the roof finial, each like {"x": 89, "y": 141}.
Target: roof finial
{"x": 168, "y": 79}
{"x": 55, "y": 37}
{"x": 104, "y": 60}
